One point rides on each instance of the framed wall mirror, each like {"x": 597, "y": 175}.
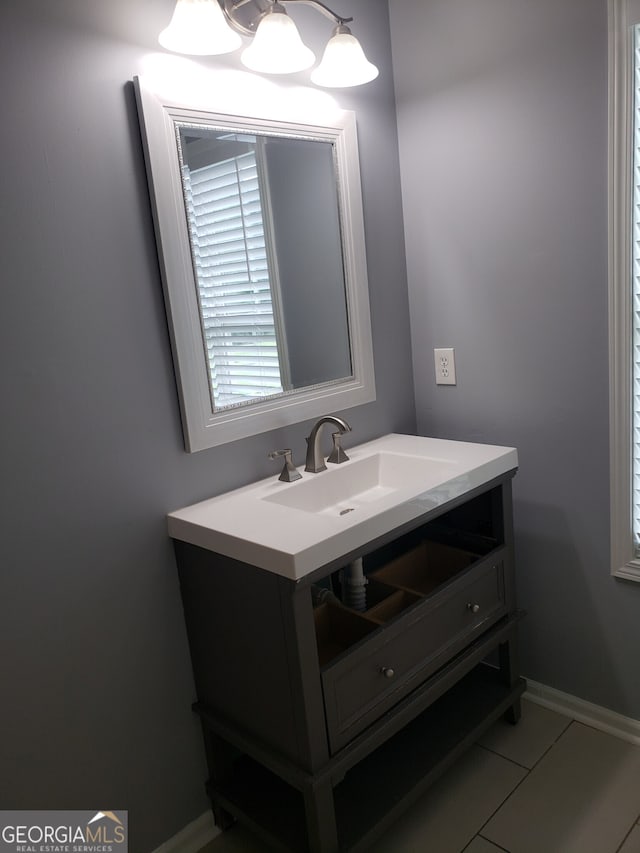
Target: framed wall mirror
{"x": 260, "y": 237}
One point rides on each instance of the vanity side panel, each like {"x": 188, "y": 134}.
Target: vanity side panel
{"x": 238, "y": 645}
{"x": 305, "y": 677}
{"x": 506, "y": 511}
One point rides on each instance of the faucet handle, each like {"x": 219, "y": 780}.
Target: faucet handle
{"x": 337, "y": 454}
{"x": 289, "y": 472}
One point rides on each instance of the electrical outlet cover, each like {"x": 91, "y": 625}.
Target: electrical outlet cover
{"x": 445, "y": 366}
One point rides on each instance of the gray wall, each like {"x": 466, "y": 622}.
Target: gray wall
{"x": 94, "y": 667}
{"x": 502, "y": 113}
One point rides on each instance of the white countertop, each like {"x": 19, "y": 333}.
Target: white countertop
{"x": 255, "y": 524}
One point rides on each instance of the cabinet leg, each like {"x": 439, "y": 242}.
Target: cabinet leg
{"x": 223, "y": 820}
{"x": 321, "y": 819}
{"x": 509, "y": 672}
{"x": 513, "y": 714}
{"x": 220, "y": 756}
{"x": 508, "y": 660}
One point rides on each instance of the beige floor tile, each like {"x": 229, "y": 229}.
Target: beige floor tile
{"x": 632, "y": 842}
{"x": 580, "y": 798}
{"x": 452, "y": 811}
{"x": 481, "y": 845}
{"x": 527, "y": 741}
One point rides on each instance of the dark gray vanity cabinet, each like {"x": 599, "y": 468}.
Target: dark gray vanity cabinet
{"x": 322, "y": 723}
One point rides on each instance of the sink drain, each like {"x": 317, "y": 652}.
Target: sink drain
{"x": 348, "y": 509}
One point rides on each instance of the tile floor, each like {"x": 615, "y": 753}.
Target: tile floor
{"x": 548, "y": 785}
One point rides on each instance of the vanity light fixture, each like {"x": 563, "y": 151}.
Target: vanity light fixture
{"x": 343, "y": 62}
{"x": 199, "y": 28}
{"x": 209, "y": 27}
{"x": 277, "y": 47}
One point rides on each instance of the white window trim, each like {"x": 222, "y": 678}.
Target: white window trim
{"x": 620, "y": 116}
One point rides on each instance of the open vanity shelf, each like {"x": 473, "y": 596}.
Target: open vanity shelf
{"x": 322, "y": 723}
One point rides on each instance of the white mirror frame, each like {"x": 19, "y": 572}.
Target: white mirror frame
{"x": 202, "y": 427}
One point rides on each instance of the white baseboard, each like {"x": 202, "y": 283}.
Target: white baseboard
{"x": 193, "y": 837}
{"x": 585, "y": 712}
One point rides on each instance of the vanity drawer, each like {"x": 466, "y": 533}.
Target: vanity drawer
{"x": 360, "y": 686}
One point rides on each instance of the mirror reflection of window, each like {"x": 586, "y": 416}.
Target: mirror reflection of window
{"x": 234, "y": 264}
{"x": 264, "y": 226}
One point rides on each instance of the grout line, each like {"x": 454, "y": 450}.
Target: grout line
{"x": 538, "y": 760}
{"x": 526, "y": 776}
{"x": 559, "y": 737}
{"x": 624, "y": 840}
{"x": 504, "y": 757}
{"x": 488, "y": 840}
{"x": 498, "y": 846}
{"x": 497, "y": 809}
{"x": 570, "y": 722}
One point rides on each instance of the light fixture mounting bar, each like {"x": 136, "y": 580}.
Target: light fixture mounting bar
{"x": 321, "y": 7}
{"x": 244, "y": 15}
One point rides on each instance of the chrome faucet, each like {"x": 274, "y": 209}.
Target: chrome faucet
{"x": 315, "y": 458}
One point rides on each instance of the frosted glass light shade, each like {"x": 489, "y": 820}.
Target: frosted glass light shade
{"x": 198, "y": 27}
{"x": 343, "y": 62}
{"x": 277, "y": 47}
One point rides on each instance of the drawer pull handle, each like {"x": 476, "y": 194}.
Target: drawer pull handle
{"x": 473, "y": 608}
{"x": 387, "y": 671}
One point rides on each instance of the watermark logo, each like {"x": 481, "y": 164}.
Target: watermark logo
{"x": 63, "y": 832}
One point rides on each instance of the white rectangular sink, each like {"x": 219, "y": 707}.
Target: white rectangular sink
{"x": 294, "y": 528}
{"x": 364, "y": 481}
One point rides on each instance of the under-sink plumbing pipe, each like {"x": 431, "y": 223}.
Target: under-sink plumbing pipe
{"x": 355, "y": 582}
{"x": 322, "y": 595}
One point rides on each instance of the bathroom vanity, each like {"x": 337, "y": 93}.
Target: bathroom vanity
{"x": 323, "y": 722}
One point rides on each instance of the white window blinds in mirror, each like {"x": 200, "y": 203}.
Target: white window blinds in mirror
{"x": 230, "y": 257}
